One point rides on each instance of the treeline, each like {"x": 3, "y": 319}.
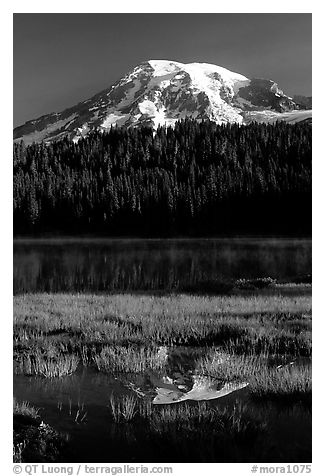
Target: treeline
{"x": 196, "y": 178}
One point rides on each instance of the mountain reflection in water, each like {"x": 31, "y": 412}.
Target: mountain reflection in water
{"x": 204, "y": 388}
{"x": 182, "y": 382}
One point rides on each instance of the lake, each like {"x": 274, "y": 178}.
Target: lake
{"x": 106, "y": 265}
{"x": 78, "y": 406}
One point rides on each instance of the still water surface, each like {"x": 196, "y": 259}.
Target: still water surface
{"x": 100, "y": 265}
{"x": 78, "y": 407}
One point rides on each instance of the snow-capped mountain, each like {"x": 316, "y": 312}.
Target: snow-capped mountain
{"x": 160, "y": 92}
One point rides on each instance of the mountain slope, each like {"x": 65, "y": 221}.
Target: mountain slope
{"x": 162, "y": 92}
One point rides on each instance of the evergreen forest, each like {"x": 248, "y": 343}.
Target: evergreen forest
{"x": 196, "y": 179}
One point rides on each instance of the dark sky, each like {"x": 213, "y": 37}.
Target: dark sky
{"x": 61, "y": 59}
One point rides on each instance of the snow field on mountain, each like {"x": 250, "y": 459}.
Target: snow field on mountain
{"x": 160, "y": 92}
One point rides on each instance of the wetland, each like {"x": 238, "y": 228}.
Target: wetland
{"x": 162, "y": 350}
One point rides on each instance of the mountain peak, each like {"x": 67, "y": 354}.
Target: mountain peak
{"x": 160, "y": 92}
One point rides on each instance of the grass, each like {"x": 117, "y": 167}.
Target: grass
{"x": 242, "y": 337}
{"x": 84, "y": 324}
{"x": 195, "y": 418}
{"x": 266, "y": 379}
{"x": 128, "y": 333}
{"x": 227, "y": 367}
{"x": 130, "y": 359}
{"x": 123, "y": 408}
{"x": 286, "y": 383}
{"x": 161, "y": 418}
{"x": 25, "y": 409}
{"x": 186, "y": 432}
{"x": 42, "y": 365}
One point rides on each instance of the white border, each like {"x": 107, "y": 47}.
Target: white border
{"x": 168, "y": 6}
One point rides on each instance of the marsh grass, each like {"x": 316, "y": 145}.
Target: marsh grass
{"x": 80, "y": 323}
{"x": 47, "y": 366}
{"x": 288, "y": 383}
{"x": 204, "y": 417}
{"x": 266, "y": 380}
{"x": 124, "y": 408}
{"x": 25, "y": 408}
{"x": 268, "y": 339}
{"x": 129, "y": 334}
{"x": 130, "y": 359}
{"x": 229, "y": 367}
{"x": 187, "y": 432}
{"x": 244, "y": 337}
{"x": 185, "y": 415}
{"x": 162, "y": 418}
